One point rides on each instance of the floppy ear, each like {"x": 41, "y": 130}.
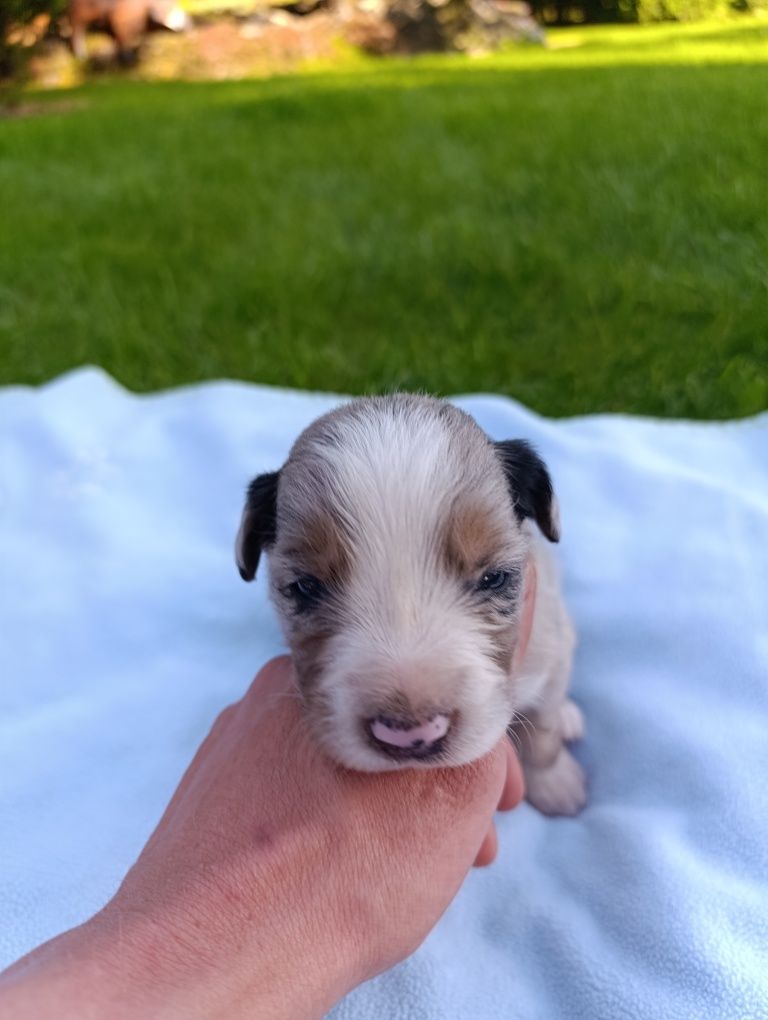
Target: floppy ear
{"x": 529, "y": 485}
{"x": 257, "y": 525}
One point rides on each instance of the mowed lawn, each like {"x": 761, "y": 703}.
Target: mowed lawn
{"x": 584, "y": 227}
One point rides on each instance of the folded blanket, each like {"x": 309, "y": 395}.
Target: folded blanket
{"x": 125, "y": 628}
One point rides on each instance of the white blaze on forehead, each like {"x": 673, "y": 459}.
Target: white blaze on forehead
{"x": 394, "y": 477}
{"x": 397, "y": 472}
{"x": 392, "y": 470}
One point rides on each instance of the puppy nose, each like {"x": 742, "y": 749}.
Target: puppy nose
{"x": 409, "y": 738}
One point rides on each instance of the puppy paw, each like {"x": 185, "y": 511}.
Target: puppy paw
{"x": 571, "y": 721}
{"x": 558, "y": 789}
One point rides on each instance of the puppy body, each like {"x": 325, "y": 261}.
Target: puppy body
{"x": 420, "y": 603}
{"x": 546, "y": 719}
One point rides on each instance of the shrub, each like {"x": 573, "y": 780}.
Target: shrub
{"x": 22, "y": 24}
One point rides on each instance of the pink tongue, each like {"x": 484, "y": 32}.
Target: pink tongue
{"x": 424, "y": 733}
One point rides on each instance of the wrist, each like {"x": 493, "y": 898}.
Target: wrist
{"x": 124, "y": 965}
{"x": 108, "y": 966}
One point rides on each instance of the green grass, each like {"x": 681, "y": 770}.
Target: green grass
{"x": 585, "y": 228}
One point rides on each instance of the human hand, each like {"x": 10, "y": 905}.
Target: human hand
{"x": 276, "y": 881}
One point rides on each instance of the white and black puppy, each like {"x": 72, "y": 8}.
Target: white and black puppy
{"x": 421, "y": 605}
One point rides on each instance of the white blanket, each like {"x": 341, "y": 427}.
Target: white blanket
{"x": 125, "y": 628}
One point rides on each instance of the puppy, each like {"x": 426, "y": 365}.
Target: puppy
{"x": 419, "y": 601}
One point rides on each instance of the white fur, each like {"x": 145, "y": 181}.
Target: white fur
{"x": 176, "y": 20}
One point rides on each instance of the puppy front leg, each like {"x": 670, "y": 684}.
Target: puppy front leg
{"x": 554, "y": 781}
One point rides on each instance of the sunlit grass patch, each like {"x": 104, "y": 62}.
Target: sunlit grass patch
{"x": 583, "y": 228}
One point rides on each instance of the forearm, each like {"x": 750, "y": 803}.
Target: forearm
{"x": 123, "y": 968}
{"x": 83, "y": 973}
{"x": 102, "y": 968}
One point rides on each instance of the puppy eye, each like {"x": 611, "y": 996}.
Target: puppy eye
{"x": 306, "y": 591}
{"x": 494, "y": 580}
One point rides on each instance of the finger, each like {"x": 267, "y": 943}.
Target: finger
{"x": 490, "y": 847}
{"x": 514, "y": 787}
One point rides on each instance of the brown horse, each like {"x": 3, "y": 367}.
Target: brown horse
{"x": 127, "y": 21}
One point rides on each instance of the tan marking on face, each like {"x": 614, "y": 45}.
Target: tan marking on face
{"x": 308, "y": 647}
{"x": 474, "y": 539}
{"x": 319, "y": 548}
{"x": 503, "y": 647}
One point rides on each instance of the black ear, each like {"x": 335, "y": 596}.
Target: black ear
{"x": 257, "y": 525}
{"x": 529, "y": 485}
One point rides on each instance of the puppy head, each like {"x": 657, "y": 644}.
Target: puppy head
{"x": 397, "y": 553}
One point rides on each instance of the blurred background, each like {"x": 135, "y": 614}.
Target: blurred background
{"x": 564, "y": 202}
